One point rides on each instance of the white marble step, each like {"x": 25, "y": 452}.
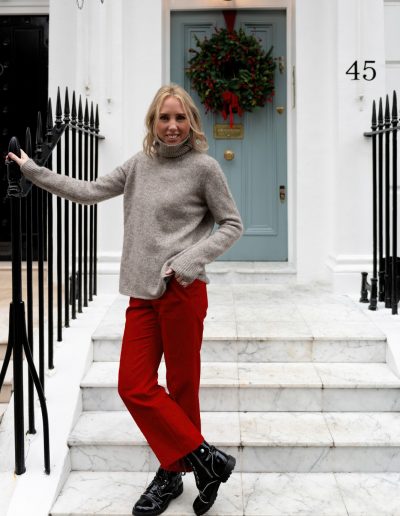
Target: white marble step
{"x": 261, "y": 441}
{"x": 250, "y": 494}
{"x": 3, "y": 348}
{"x": 3, "y": 408}
{"x": 275, "y": 349}
{"x": 239, "y": 386}
{"x": 224, "y": 273}
{"x": 5, "y": 392}
{"x": 268, "y": 323}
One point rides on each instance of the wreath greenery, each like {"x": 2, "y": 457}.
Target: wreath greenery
{"x": 231, "y": 73}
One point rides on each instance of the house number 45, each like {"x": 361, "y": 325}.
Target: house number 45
{"x": 369, "y": 76}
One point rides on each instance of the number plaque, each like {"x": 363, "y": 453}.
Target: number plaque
{"x": 226, "y": 132}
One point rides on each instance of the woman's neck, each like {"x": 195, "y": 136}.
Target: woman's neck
{"x": 172, "y": 151}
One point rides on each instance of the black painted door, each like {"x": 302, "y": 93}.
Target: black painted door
{"x": 23, "y": 92}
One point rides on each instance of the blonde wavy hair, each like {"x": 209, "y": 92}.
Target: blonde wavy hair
{"x": 197, "y": 137}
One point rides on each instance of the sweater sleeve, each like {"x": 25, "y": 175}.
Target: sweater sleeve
{"x": 223, "y": 208}
{"x": 78, "y": 190}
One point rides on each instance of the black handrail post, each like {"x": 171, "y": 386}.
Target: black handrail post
{"x": 91, "y": 221}
{"x": 374, "y": 293}
{"x": 388, "y": 299}
{"x": 381, "y": 273}
{"x": 96, "y": 171}
{"x": 85, "y": 207}
{"x": 15, "y": 330}
{"x": 73, "y": 236}
{"x": 50, "y": 255}
{"x": 394, "y": 206}
{"x": 80, "y": 169}
{"x": 29, "y": 293}
{"x": 66, "y": 213}
{"x": 58, "y": 122}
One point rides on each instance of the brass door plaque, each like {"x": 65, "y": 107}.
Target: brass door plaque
{"x": 226, "y": 132}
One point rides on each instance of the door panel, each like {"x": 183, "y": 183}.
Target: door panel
{"x": 23, "y": 92}
{"x": 259, "y": 166}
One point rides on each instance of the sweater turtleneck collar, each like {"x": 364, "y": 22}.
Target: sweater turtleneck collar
{"x": 172, "y": 151}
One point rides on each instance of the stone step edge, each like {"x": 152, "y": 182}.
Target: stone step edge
{"x": 9, "y": 373}
{"x": 139, "y": 440}
{"x": 97, "y": 336}
{"x": 241, "y": 384}
{"x": 314, "y": 494}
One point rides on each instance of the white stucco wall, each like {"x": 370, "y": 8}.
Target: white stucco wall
{"x": 112, "y": 53}
{"x": 333, "y": 159}
{"x": 360, "y": 35}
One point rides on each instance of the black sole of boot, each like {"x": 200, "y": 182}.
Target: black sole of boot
{"x": 159, "y": 511}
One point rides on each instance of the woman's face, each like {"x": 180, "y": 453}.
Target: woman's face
{"x": 172, "y": 125}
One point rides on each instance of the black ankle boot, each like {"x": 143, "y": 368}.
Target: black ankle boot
{"x": 211, "y": 467}
{"x": 165, "y": 486}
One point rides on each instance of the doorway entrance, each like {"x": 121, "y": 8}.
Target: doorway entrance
{"x": 23, "y": 92}
{"x": 257, "y": 174}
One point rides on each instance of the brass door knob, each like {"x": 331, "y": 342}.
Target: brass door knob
{"x": 280, "y": 109}
{"x": 229, "y": 155}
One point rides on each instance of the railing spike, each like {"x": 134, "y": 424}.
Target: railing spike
{"x": 96, "y": 121}
{"x": 86, "y": 116}
{"x": 373, "y": 124}
{"x": 39, "y": 136}
{"x": 58, "y": 108}
{"x": 66, "y": 107}
{"x": 49, "y": 116}
{"x": 394, "y": 106}
{"x": 387, "y": 110}
{"x": 28, "y": 142}
{"x": 91, "y": 121}
{"x": 80, "y": 112}
{"x": 380, "y": 111}
{"x": 39, "y": 130}
{"x": 73, "y": 110}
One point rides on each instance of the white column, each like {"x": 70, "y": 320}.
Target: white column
{"x": 316, "y": 73}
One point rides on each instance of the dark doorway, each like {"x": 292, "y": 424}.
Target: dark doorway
{"x": 23, "y": 92}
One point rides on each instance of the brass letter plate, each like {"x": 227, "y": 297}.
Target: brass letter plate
{"x": 225, "y": 132}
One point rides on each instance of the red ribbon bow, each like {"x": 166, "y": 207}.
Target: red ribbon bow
{"x": 233, "y": 102}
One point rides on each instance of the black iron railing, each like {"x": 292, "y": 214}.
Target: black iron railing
{"x": 385, "y": 280}
{"x": 73, "y": 141}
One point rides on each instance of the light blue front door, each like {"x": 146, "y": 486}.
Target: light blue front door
{"x": 257, "y": 176}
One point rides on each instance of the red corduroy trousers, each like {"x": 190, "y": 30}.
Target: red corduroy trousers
{"x": 173, "y": 325}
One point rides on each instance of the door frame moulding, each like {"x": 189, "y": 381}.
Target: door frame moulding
{"x": 288, "y": 6}
{"x": 21, "y": 7}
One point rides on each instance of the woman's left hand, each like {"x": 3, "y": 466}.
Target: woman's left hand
{"x": 179, "y": 279}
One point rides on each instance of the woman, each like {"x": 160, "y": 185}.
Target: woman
{"x": 173, "y": 194}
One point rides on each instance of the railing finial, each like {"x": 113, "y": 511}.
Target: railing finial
{"x": 86, "y": 116}
{"x": 49, "y": 123}
{"x": 96, "y": 121}
{"x": 91, "y": 120}
{"x": 373, "y": 123}
{"x": 394, "y": 107}
{"x": 66, "y": 107}
{"x": 58, "y": 119}
{"x": 38, "y": 137}
{"x": 73, "y": 110}
{"x": 80, "y": 112}
{"x": 380, "y": 112}
{"x": 387, "y": 110}
{"x": 28, "y": 141}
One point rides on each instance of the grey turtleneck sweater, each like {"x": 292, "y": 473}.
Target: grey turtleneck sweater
{"x": 171, "y": 201}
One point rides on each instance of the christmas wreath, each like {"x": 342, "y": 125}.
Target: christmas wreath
{"x": 231, "y": 73}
